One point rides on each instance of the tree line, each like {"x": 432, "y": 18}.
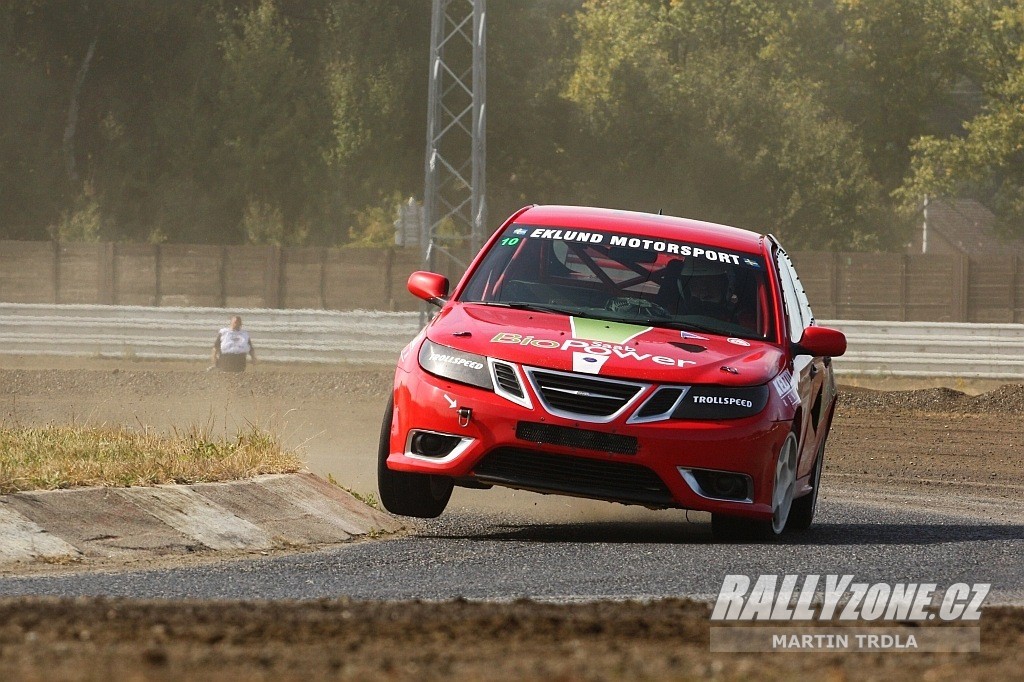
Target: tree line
{"x": 303, "y": 121}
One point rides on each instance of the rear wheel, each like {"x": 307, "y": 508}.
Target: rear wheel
{"x": 405, "y": 493}
{"x": 801, "y": 516}
{"x": 726, "y": 527}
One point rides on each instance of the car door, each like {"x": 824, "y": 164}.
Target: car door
{"x": 810, "y": 372}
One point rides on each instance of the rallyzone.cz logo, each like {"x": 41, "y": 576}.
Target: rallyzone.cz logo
{"x": 815, "y": 597}
{"x": 831, "y": 602}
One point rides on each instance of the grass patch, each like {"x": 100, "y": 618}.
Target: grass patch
{"x": 53, "y": 457}
{"x": 370, "y": 500}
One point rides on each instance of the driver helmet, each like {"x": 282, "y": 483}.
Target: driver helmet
{"x": 707, "y": 282}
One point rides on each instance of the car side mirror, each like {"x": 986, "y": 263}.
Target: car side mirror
{"x": 822, "y": 342}
{"x": 430, "y": 286}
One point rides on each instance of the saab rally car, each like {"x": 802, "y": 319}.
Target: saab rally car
{"x": 635, "y": 358}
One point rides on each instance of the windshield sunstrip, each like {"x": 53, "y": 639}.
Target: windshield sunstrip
{"x": 654, "y": 245}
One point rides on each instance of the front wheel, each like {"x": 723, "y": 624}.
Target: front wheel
{"x": 405, "y": 493}
{"x": 802, "y": 515}
{"x": 725, "y": 527}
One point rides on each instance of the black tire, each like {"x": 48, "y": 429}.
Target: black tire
{"x": 421, "y": 495}
{"x": 801, "y": 516}
{"x": 727, "y": 528}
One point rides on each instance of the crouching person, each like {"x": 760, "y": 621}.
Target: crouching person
{"x": 231, "y": 346}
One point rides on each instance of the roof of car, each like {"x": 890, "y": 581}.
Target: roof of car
{"x": 647, "y": 224}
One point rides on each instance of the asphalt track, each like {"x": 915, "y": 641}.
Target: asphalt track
{"x": 485, "y": 555}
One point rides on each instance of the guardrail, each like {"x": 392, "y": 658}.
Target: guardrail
{"x": 931, "y": 349}
{"x": 188, "y": 333}
{"x": 875, "y": 348}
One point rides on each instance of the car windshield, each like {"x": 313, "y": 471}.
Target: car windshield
{"x": 648, "y": 280}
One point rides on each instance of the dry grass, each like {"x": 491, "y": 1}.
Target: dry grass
{"x": 52, "y": 457}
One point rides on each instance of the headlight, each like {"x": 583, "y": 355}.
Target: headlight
{"x": 457, "y": 365}
{"x": 719, "y": 402}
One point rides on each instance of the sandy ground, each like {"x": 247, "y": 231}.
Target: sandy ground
{"x": 948, "y": 445}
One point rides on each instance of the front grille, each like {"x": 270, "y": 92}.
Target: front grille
{"x": 615, "y": 481}
{"x": 507, "y": 379}
{"x": 576, "y": 438}
{"x": 580, "y": 395}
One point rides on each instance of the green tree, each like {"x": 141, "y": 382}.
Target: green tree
{"x": 375, "y": 225}
{"x": 42, "y": 46}
{"x": 271, "y": 136}
{"x": 295, "y": 120}
{"x": 538, "y": 146}
{"x": 899, "y": 61}
{"x": 100, "y": 95}
{"x": 987, "y": 160}
{"x": 704, "y": 124}
{"x": 150, "y": 122}
{"x": 374, "y": 58}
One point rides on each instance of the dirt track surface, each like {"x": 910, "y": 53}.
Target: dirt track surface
{"x": 102, "y": 639}
{"x": 958, "y": 446}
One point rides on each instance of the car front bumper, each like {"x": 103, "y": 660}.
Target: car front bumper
{"x": 659, "y": 464}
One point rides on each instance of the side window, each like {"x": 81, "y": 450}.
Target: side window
{"x": 798, "y": 312}
{"x": 805, "y": 305}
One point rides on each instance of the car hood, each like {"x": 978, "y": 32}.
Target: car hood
{"x": 625, "y": 351}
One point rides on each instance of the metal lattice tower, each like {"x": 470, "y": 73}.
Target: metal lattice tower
{"x": 454, "y": 205}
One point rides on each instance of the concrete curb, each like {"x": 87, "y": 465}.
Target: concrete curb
{"x": 268, "y": 512}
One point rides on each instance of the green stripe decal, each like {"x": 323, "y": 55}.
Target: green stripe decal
{"x": 602, "y": 330}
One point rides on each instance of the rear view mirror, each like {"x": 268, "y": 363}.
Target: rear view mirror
{"x": 822, "y": 342}
{"x": 430, "y": 286}
{"x": 626, "y": 255}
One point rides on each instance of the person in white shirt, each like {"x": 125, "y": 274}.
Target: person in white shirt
{"x": 231, "y": 346}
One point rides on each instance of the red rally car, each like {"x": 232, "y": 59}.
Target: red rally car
{"x": 629, "y": 357}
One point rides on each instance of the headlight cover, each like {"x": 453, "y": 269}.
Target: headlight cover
{"x": 720, "y": 402}
{"x": 457, "y": 365}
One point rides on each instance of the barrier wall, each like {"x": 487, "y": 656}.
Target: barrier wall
{"x": 206, "y": 275}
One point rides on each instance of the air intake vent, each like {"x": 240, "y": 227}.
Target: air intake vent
{"x": 660, "y": 403}
{"x": 577, "y": 395}
{"x": 576, "y": 438}
{"x": 616, "y": 481}
{"x": 507, "y": 379}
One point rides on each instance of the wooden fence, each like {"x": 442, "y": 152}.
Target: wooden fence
{"x": 919, "y": 288}
{"x": 203, "y": 275}
{"x": 851, "y": 286}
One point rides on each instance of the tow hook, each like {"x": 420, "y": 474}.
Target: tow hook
{"x": 465, "y": 414}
